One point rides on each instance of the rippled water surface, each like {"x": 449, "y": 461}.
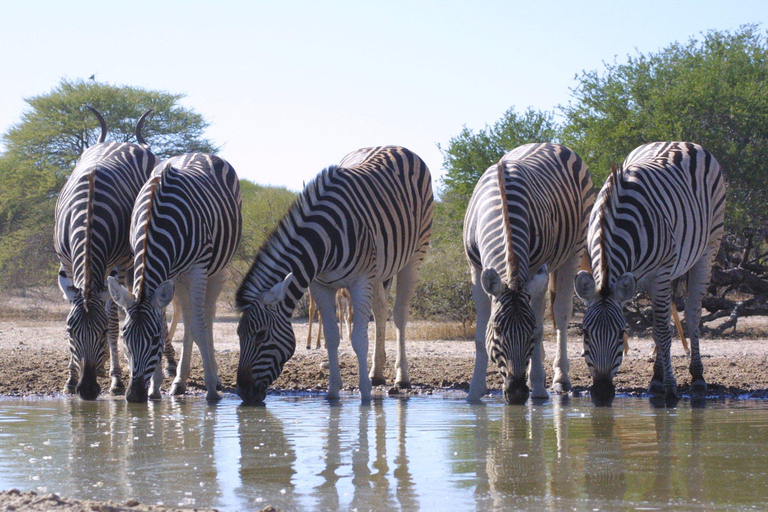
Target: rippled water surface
{"x": 430, "y": 453}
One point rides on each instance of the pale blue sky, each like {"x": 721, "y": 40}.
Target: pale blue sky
{"x": 290, "y": 87}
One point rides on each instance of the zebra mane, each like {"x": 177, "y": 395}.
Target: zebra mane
{"x": 154, "y": 182}
{"x": 605, "y": 212}
{"x": 251, "y": 286}
{"x": 513, "y": 279}
{"x": 88, "y": 228}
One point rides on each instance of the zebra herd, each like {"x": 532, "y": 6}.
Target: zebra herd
{"x": 137, "y": 233}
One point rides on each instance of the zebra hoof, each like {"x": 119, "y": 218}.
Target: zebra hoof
{"x": 155, "y": 396}
{"x": 403, "y": 384}
{"x": 656, "y": 388}
{"x": 219, "y": 387}
{"x": 212, "y": 396}
{"x": 561, "y": 387}
{"x": 70, "y": 388}
{"x": 698, "y": 388}
{"x": 178, "y": 388}
{"x": 379, "y": 381}
{"x": 117, "y": 388}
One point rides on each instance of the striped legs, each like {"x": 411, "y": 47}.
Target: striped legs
{"x": 478, "y": 386}
{"x": 536, "y": 375}
{"x": 325, "y": 298}
{"x": 380, "y": 309}
{"x": 663, "y": 381}
{"x": 168, "y": 352}
{"x": 698, "y": 280}
{"x": 406, "y": 285}
{"x": 113, "y": 330}
{"x": 562, "y": 309}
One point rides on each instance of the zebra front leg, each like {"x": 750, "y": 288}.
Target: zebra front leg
{"x": 325, "y": 298}
{"x": 380, "y": 319}
{"x": 196, "y": 313}
{"x": 698, "y": 280}
{"x": 478, "y": 386}
{"x": 213, "y": 290}
{"x": 168, "y": 351}
{"x": 117, "y": 387}
{"x": 537, "y": 287}
{"x": 562, "y": 309}
{"x": 361, "y": 295}
{"x": 71, "y": 386}
{"x": 179, "y": 385}
{"x": 661, "y": 296}
{"x": 156, "y": 382}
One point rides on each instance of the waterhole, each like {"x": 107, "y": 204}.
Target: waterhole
{"x": 430, "y": 453}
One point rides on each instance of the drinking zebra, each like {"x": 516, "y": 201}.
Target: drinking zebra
{"x": 185, "y": 229}
{"x": 354, "y": 226}
{"x": 92, "y": 222}
{"x": 658, "y": 217}
{"x": 526, "y": 219}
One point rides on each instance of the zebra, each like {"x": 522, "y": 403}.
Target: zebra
{"x": 660, "y": 216}
{"x": 185, "y": 229}
{"x": 92, "y": 223}
{"x": 526, "y": 219}
{"x": 355, "y": 226}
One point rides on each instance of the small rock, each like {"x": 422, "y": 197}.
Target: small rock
{"x": 393, "y": 391}
{"x": 132, "y": 503}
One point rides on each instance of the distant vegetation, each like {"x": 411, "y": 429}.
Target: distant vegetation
{"x": 712, "y": 90}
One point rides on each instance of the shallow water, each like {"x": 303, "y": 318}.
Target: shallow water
{"x": 430, "y": 453}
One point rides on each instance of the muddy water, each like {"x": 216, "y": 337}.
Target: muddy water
{"x": 431, "y": 453}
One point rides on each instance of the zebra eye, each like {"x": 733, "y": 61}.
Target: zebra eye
{"x": 621, "y": 335}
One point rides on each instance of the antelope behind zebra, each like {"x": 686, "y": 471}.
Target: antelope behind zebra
{"x": 185, "y": 229}
{"x": 91, "y": 239}
{"x": 658, "y": 217}
{"x": 354, "y": 226}
{"x": 525, "y": 224}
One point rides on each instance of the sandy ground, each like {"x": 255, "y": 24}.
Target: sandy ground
{"x": 35, "y": 357}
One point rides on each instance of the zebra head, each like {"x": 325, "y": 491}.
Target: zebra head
{"x": 87, "y": 325}
{"x": 267, "y": 341}
{"x": 143, "y": 332}
{"x": 604, "y": 328}
{"x": 511, "y": 333}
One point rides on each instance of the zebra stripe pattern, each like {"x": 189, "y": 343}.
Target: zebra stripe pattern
{"x": 185, "y": 229}
{"x": 91, "y": 239}
{"x": 527, "y": 217}
{"x": 355, "y": 226}
{"x": 659, "y": 217}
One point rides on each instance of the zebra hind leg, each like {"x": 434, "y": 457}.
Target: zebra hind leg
{"x": 71, "y": 386}
{"x": 117, "y": 387}
{"x": 379, "y": 360}
{"x": 170, "y": 354}
{"x": 698, "y": 280}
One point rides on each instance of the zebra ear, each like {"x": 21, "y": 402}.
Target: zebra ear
{"x": 585, "y": 286}
{"x": 492, "y": 283}
{"x": 538, "y": 283}
{"x": 66, "y": 286}
{"x": 277, "y": 293}
{"x": 120, "y": 294}
{"x": 625, "y": 287}
{"x": 163, "y": 294}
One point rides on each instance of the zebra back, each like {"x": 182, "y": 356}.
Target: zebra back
{"x": 93, "y": 212}
{"x": 547, "y": 194}
{"x": 664, "y": 206}
{"x": 372, "y": 214}
{"x": 188, "y": 213}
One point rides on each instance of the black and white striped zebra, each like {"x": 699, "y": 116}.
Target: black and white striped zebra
{"x": 354, "y": 226}
{"x": 185, "y": 229}
{"x": 91, "y": 239}
{"x": 659, "y": 217}
{"x": 527, "y": 218}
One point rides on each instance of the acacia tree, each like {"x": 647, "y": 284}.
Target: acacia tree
{"x": 42, "y": 149}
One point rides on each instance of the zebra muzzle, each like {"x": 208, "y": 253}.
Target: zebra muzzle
{"x": 603, "y": 391}
{"x": 515, "y": 391}
{"x": 137, "y": 391}
{"x": 251, "y": 392}
{"x": 88, "y": 388}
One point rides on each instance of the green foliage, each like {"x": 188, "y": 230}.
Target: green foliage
{"x": 263, "y": 207}
{"x": 42, "y": 149}
{"x": 469, "y": 154}
{"x": 443, "y": 291}
{"x": 713, "y": 91}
